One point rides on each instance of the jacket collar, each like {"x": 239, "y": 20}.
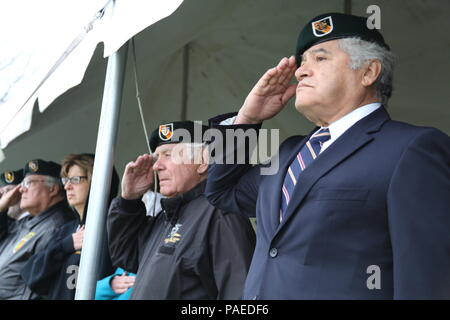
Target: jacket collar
{"x": 59, "y": 206}
{"x": 171, "y": 206}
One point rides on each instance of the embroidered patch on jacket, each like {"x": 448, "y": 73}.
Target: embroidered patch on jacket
{"x": 322, "y": 27}
{"x": 173, "y": 236}
{"x": 23, "y": 241}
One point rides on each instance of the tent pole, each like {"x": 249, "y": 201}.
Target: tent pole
{"x": 101, "y": 177}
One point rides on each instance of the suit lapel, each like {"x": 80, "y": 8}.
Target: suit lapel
{"x": 352, "y": 140}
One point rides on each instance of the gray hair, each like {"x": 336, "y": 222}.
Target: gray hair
{"x": 50, "y": 181}
{"x": 361, "y": 51}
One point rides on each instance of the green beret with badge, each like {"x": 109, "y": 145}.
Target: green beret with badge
{"x": 164, "y": 134}
{"x": 11, "y": 178}
{"x": 42, "y": 167}
{"x": 331, "y": 26}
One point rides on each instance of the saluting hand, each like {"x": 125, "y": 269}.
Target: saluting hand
{"x": 137, "y": 178}
{"x": 77, "y": 238}
{"x": 10, "y": 198}
{"x": 270, "y": 94}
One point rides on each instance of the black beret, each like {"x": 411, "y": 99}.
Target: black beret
{"x": 164, "y": 134}
{"x": 41, "y": 167}
{"x": 331, "y": 26}
{"x": 11, "y": 177}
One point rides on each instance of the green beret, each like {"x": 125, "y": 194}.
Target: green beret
{"x": 11, "y": 177}
{"x": 41, "y": 167}
{"x": 164, "y": 134}
{"x": 331, "y": 26}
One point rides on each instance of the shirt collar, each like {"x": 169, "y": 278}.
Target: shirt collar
{"x": 338, "y": 127}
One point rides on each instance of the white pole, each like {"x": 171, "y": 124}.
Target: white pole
{"x": 101, "y": 177}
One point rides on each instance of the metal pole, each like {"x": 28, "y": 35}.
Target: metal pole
{"x": 101, "y": 177}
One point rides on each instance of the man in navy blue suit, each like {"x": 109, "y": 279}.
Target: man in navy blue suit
{"x": 360, "y": 207}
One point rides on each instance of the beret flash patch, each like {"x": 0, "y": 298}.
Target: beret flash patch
{"x": 33, "y": 166}
{"x": 166, "y": 131}
{"x": 322, "y": 27}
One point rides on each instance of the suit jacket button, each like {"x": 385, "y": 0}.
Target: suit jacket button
{"x": 273, "y": 252}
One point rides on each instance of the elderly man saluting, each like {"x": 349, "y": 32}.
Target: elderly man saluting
{"x": 359, "y": 208}
{"x": 190, "y": 250}
{"x": 42, "y": 195}
{"x": 8, "y": 181}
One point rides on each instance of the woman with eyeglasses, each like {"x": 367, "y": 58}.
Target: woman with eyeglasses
{"x": 52, "y": 273}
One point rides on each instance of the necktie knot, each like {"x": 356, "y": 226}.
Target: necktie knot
{"x": 320, "y": 137}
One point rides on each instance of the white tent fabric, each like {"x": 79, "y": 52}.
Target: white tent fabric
{"x": 231, "y": 43}
{"x": 72, "y": 32}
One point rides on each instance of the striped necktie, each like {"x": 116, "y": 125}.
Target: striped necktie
{"x": 307, "y": 154}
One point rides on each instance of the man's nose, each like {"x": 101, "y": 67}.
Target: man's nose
{"x": 302, "y": 71}
{"x": 157, "y": 164}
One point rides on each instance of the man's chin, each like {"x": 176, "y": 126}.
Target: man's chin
{"x": 166, "y": 192}
{"x": 302, "y": 107}
{"x": 307, "y": 111}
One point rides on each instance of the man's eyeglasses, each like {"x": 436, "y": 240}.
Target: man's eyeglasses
{"x": 27, "y": 183}
{"x": 72, "y": 180}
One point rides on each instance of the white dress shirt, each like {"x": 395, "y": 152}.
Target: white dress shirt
{"x": 338, "y": 127}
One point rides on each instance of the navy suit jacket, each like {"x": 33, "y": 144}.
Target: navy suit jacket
{"x": 374, "y": 206}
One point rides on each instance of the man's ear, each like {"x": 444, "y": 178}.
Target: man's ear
{"x": 203, "y": 167}
{"x": 371, "y": 72}
{"x": 54, "y": 190}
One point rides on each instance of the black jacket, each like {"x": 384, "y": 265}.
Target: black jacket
{"x": 191, "y": 250}
{"x": 51, "y": 272}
